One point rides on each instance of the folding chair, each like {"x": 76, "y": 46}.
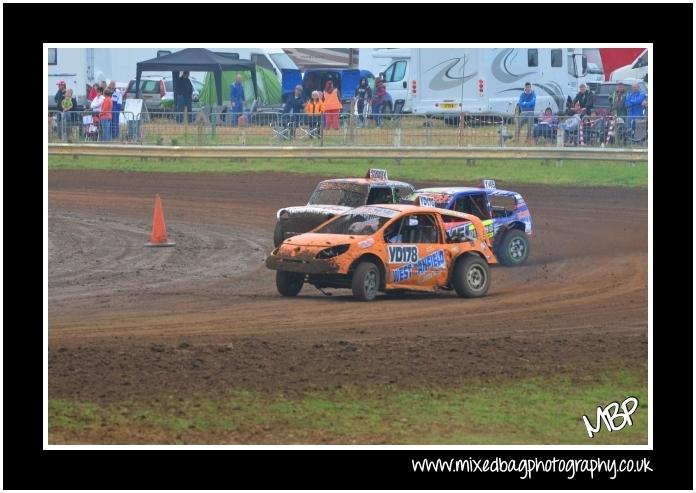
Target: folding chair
{"x": 310, "y": 126}
{"x": 283, "y": 128}
{"x": 639, "y": 133}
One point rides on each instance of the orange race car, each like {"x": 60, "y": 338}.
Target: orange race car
{"x": 388, "y": 248}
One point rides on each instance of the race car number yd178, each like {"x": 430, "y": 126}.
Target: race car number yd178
{"x": 403, "y": 254}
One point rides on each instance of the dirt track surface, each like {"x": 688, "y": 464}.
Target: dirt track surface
{"x": 128, "y": 322}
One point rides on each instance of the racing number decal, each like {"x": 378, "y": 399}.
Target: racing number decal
{"x": 403, "y": 254}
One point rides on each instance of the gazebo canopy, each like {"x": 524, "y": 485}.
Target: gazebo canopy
{"x": 195, "y": 60}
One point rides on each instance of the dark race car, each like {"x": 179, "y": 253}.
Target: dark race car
{"x": 333, "y": 197}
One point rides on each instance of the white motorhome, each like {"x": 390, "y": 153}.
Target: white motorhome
{"x": 481, "y": 80}
{"x": 636, "y": 70}
{"x": 82, "y": 67}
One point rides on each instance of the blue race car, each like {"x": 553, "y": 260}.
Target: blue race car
{"x": 504, "y": 214}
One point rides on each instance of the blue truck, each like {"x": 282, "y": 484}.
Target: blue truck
{"x": 314, "y": 79}
{"x": 505, "y": 215}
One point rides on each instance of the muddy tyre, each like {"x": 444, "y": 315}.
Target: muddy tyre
{"x": 366, "y": 281}
{"x": 513, "y": 249}
{"x": 289, "y": 283}
{"x": 471, "y": 277}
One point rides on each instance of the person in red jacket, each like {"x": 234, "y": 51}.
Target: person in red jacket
{"x": 379, "y": 99}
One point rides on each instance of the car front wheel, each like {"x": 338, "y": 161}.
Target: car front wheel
{"x": 289, "y": 283}
{"x": 366, "y": 280}
{"x": 278, "y": 234}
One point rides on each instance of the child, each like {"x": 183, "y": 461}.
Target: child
{"x": 67, "y": 102}
{"x": 315, "y": 108}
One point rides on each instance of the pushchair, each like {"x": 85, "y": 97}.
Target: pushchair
{"x": 362, "y": 116}
{"x": 90, "y": 128}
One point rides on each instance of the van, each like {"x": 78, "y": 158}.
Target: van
{"x": 314, "y": 79}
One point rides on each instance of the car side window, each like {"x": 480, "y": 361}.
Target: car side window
{"x": 401, "y": 192}
{"x": 418, "y": 228}
{"x": 380, "y": 195}
{"x": 475, "y": 204}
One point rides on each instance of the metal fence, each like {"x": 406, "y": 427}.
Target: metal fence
{"x": 393, "y": 130}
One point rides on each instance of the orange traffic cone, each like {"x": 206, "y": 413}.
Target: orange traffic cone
{"x": 159, "y": 230}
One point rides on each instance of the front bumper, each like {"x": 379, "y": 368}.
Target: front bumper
{"x": 302, "y": 264}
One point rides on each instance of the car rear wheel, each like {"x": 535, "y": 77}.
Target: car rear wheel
{"x": 289, "y": 283}
{"x": 471, "y": 277}
{"x": 513, "y": 250}
{"x": 366, "y": 281}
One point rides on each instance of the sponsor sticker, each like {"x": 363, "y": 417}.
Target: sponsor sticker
{"x": 431, "y": 262}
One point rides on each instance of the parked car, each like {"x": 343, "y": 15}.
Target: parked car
{"x": 386, "y": 248}
{"x": 605, "y": 89}
{"x": 156, "y": 89}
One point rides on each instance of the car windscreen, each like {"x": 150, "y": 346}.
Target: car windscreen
{"x": 362, "y": 221}
{"x": 345, "y": 194}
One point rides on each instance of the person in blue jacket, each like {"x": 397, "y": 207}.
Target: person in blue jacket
{"x": 527, "y": 102}
{"x": 636, "y": 102}
{"x": 237, "y": 100}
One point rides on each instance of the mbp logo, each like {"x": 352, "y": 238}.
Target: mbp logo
{"x": 609, "y": 414}
{"x": 403, "y": 254}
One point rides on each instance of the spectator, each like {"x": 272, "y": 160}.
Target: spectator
{"x": 237, "y": 99}
{"x": 117, "y": 103}
{"x": 105, "y": 116}
{"x": 183, "y": 93}
{"x": 636, "y": 104}
{"x": 102, "y": 84}
{"x": 546, "y": 125}
{"x": 571, "y": 127}
{"x": 294, "y": 106}
{"x": 332, "y": 106}
{"x": 92, "y": 93}
{"x": 97, "y": 102}
{"x": 379, "y": 99}
{"x": 595, "y": 128}
{"x": 526, "y": 102}
{"x": 58, "y": 98}
{"x": 363, "y": 94}
{"x": 315, "y": 108}
{"x": 68, "y": 105}
{"x": 586, "y": 100}
{"x": 617, "y": 101}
